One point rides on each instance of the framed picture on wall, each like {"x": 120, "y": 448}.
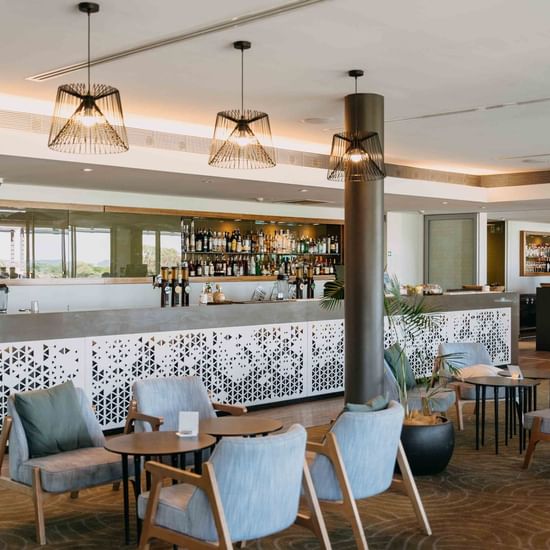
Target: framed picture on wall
{"x": 534, "y": 250}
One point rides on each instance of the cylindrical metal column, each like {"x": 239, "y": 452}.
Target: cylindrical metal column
{"x": 364, "y": 273}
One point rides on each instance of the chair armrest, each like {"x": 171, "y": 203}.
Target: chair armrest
{"x": 133, "y": 415}
{"x": 234, "y": 410}
{"x": 4, "y": 436}
{"x": 161, "y": 471}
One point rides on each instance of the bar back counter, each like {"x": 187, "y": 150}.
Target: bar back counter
{"x": 257, "y": 353}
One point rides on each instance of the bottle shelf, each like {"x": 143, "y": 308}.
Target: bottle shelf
{"x": 333, "y": 255}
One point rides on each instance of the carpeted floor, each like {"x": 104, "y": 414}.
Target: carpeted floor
{"x": 480, "y": 502}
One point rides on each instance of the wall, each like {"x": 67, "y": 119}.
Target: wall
{"x": 514, "y": 282}
{"x": 405, "y": 246}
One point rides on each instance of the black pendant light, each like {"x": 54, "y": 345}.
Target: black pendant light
{"x": 88, "y": 117}
{"x": 356, "y": 155}
{"x": 242, "y": 138}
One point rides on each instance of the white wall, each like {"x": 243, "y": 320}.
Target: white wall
{"x": 514, "y": 282}
{"x": 405, "y": 246}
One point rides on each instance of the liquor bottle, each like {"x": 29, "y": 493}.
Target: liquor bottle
{"x": 239, "y": 242}
{"x": 192, "y": 236}
{"x": 176, "y": 287}
{"x": 310, "y": 283}
{"x": 198, "y": 241}
{"x": 165, "y": 288}
{"x": 192, "y": 271}
{"x": 299, "y": 282}
{"x": 185, "y": 286}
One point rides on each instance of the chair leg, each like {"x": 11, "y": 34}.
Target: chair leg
{"x": 533, "y": 440}
{"x": 412, "y": 491}
{"x": 460, "y": 414}
{"x": 38, "y": 501}
{"x": 116, "y": 485}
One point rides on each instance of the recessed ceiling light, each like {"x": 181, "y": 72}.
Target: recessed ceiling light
{"x": 303, "y": 190}
{"x": 315, "y": 224}
{"x": 316, "y": 120}
{"x": 87, "y": 169}
{"x": 422, "y": 211}
{"x": 483, "y": 208}
{"x": 206, "y": 181}
{"x": 237, "y": 220}
{"x": 260, "y": 199}
{"x": 445, "y": 202}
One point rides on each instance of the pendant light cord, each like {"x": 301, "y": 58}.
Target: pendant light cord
{"x": 242, "y": 83}
{"x": 356, "y": 121}
{"x": 89, "y": 47}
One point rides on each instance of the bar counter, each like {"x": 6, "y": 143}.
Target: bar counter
{"x": 256, "y": 353}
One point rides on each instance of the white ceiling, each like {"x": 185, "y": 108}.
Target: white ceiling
{"x": 423, "y": 56}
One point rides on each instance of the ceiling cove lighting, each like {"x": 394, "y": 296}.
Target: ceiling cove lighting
{"x": 356, "y": 155}
{"x": 242, "y": 138}
{"x": 88, "y": 118}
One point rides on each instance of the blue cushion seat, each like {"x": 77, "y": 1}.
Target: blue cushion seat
{"x": 542, "y": 413}
{"x": 259, "y": 481}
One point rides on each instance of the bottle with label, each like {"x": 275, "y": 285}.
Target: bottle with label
{"x": 203, "y": 296}
{"x": 176, "y": 287}
{"x": 185, "y": 286}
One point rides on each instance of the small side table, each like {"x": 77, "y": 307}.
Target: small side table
{"x": 526, "y": 397}
{"x": 232, "y": 426}
{"x": 148, "y": 444}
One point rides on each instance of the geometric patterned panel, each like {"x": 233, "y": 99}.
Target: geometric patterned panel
{"x": 248, "y": 365}
{"x": 491, "y": 327}
{"x": 326, "y": 364}
{"x": 28, "y": 366}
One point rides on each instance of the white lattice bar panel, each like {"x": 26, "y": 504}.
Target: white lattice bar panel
{"x": 249, "y": 365}
{"x": 28, "y": 366}
{"x": 326, "y": 357}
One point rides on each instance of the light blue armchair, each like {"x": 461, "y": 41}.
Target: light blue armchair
{"x": 440, "y": 402}
{"x": 357, "y": 461}
{"x": 250, "y": 488}
{"x": 164, "y": 398}
{"x": 464, "y": 355}
{"x": 68, "y": 471}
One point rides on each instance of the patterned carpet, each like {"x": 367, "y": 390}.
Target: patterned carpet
{"x": 480, "y": 502}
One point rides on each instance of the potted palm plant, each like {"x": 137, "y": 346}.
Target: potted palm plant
{"x": 428, "y": 437}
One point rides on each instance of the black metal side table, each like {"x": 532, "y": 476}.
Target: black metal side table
{"x": 519, "y": 396}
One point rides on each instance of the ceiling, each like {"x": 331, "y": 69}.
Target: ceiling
{"x": 425, "y": 57}
{"x": 69, "y": 175}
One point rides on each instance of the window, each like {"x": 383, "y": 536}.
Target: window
{"x": 93, "y": 252}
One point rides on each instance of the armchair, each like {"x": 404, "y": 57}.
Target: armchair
{"x": 161, "y": 400}
{"x": 64, "y": 472}
{"x": 249, "y": 489}
{"x": 468, "y": 354}
{"x": 356, "y": 461}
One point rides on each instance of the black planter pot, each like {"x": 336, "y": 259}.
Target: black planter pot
{"x": 428, "y": 448}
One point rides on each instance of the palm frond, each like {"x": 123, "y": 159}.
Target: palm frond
{"x": 333, "y": 295}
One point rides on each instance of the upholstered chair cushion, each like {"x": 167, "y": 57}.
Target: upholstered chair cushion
{"x": 166, "y": 397}
{"x": 259, "y": 481}
{"x": 52, "y": 420}
{"x": 74, "y": 470}
{"x": 377, "y": 403}
{"x": 468, "y": 391}
{"x": 465, "y": 354}
{"x": 368, "y": 445}
{"x": 544, "y": 414}
{"x": 438, "y": 403}
{"x": 400, "y": 365}
{"x": 19, "y": 449}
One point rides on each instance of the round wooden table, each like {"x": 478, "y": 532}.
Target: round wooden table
{"x": 232, "y": 426}
{"x": 148, "y": 444}
{"x": 526, "y": 399}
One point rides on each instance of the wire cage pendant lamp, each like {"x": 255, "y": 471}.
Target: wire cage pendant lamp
{"x": 88, "y": 118}
{"x": 242, "y": 138}
{"x": 356, "y": 155}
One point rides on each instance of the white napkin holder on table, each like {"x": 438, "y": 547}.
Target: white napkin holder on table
{"x": 188, "y": 424}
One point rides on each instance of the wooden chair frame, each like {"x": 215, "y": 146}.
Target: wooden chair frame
{"x": 207, "y": 482}
{"x": 536, "y": 435}
{"x": 348, "y": 505}
{"x": 459, "y": 404}
{"x": 35, "y": 490}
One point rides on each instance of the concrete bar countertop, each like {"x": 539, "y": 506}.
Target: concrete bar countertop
{"x": 78, "y": 324}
